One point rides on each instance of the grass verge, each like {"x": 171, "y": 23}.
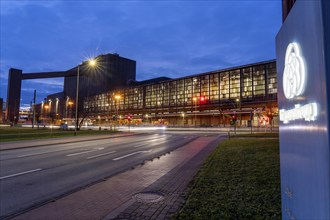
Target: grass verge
{"x": 256, "y": 135}
{"x": 16, "y": 134}
{"x": 239, "y": 180}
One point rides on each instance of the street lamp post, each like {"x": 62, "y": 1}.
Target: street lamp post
{"x": 70, "y": 110}
{"x": 46, "y": 114}
{"x": 147, "y": 116}
{"x": 108, "y": 115}
{"x": 77, "y": 97}
{"x": 238, "y": 101}
{"x": 34, "y": 108}
{"x": 50, "y": 112}
{"x": 235, "y": 122}
{"x": 56, "y": 107}
{"x": 91, "y": 62}
{"x": 117, "y": 98}
{"x": 99, "y": 117}
{"x": 183, "y": 118}
{"x": 195, "y": 100}
{"x": 66, "y": 106}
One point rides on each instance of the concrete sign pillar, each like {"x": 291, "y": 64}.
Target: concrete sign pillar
{"x": 302, "y": 52}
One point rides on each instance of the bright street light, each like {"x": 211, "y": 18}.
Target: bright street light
{"x": 92, "y": 62}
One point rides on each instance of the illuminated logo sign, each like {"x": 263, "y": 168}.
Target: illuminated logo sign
{"x": 307, "y": 112}
{"x": 294, "y": 72}
{"x": 294, "y": 80}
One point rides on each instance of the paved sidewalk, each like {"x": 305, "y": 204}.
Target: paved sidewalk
{"x": 62, "y": 140}
{"x": 117, "y": 197}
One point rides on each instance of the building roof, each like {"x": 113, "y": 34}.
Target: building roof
{"x": 150, "y": 81}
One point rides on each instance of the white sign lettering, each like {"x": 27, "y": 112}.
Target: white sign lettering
{"x": 308, "y": 112}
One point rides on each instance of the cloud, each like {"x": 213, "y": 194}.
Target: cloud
{"x": 12, "y": 6}
{"x": 43, "y": 87}
{"x": 48, "y": 82}
{"x": 168, "y": 38}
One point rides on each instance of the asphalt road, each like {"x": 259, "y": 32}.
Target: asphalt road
{"x": 32, "y": 176}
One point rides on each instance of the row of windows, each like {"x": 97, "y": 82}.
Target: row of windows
{"x": 244, "y": 84}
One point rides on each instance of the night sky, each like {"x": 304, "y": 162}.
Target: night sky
{"x": 165, "y": 38}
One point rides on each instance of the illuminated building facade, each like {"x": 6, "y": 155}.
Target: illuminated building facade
{"x": 247, "y": 93}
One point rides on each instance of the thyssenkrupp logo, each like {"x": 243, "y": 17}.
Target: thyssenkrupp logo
{"x": 294, "y": 72}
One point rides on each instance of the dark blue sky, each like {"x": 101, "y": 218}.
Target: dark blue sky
{"x": 166, "y": 38}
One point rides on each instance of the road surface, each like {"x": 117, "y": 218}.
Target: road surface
{"x": 32, "y": 176}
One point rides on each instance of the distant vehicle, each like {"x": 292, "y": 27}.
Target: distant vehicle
{"x": 63, "y": 126}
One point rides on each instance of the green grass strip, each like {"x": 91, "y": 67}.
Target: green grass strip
{"x": 256, "y": 135}
{"x": 16, "y": 134}
{"x": 239, "y": 180}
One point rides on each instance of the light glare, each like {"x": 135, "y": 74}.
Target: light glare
{"x": 92, "y": 62}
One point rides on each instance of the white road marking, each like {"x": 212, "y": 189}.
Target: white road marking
{"x": 140, "y": 145}
{"x": 128, "y": 155}
{"x": 158, "y": 143}
{"x": 151, "y": 144}
{"x": 85, "y": 152}
{"x": 28, "y": 155}
{"x": 153, "y": 141}
{"x": 47, "y": 152}
{"x": 18, "y": 174}
{"x": 100, "y": 155}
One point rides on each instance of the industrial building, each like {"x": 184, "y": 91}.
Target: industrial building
{"x": 112, "y": 72}
{"x": 109, "y": 94}
{"x": 246, "y": 94}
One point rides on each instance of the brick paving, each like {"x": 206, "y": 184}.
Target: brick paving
{"x": 173, "y": 186}
{"x": 168, "y": 175}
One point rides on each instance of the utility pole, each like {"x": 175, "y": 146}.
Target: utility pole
{"x": 34, "y": 108}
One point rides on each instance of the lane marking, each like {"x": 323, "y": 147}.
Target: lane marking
{"x": 28, "y": 155}
{"x": 100, "y": 155}
{"x": 140, "y": 145}
{"x": 46, "y": 152}
{"x": 128, "y": 155}
{"x": 85, "y": 152}
{"x": 152, "y": 142}
{"x": 18, "y": 174}
{"x": 155, "y": 140}
{"x": 159, "y": 143}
